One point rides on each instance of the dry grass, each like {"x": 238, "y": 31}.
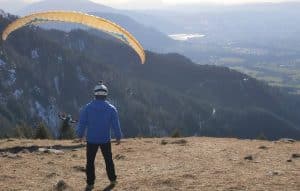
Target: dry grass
{"x": 146, "y": 164}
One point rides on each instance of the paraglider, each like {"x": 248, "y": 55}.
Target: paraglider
{"x": 80, "y": 18}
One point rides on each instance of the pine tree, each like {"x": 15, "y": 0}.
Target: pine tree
{"x": 176, "y": 133}
{"x": 18, "y": 132}
{"x": 42, "y": 132}
{"x": 23, "y": 131}
{"x": 261, "y": 136}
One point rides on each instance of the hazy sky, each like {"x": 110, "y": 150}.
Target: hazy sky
{"x": 16, "y": 4}
{"x": 186, "y": 1}
{"x": 120, "y": 2}
{"x": 157, "y": 3}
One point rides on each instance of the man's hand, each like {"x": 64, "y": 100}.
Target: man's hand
{"x": 118, "y": 142}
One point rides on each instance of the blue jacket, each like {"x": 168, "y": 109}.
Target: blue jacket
{"x": 96, "y": 119}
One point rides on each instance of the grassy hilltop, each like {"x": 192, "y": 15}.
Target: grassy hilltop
{"x": 154, "y": 164}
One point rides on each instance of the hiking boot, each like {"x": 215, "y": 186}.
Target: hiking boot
{"x": 89, "y": 187}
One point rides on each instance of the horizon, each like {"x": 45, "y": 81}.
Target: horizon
{"x": 14, "y": 6}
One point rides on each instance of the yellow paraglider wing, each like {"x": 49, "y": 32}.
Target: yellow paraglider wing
{"x": 81, "y": 18}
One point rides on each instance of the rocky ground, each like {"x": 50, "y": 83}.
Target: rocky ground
{"x": 154, "y": 164}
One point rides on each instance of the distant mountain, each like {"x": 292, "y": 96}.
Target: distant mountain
{"x": 202, "y": 18}
{"x": 71, "y": 5}
{"x": 47, "y": 72}
{"x": 259, "y": 39}
{"x": 149, "y": 37}
{"x": 12, "y": 6}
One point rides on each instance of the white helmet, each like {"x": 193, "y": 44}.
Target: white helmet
{"x": 100, "y": 89}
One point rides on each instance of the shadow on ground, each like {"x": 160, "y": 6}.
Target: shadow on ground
{"x": 109, "y": 187}
{"x": 35, "y": 148}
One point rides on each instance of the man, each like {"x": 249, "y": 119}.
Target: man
{"x": 66, "y": 130}
{"x": 96, "y": 119}
{"x": 66, "y": 119}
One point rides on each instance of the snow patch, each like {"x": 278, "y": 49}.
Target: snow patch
{"x": 31, "y": 109}
{"x": 37, "y": 90}
{"x": 56, "y": 84}
{"x": 59, "y": 60}
{"x": 35, "y": 54}
{"x": 18, "y": 93}
{"x": 52, "y": 100}
{"x": 213, "y": 112}
{"x": 2, "y": 63}
{"x": 52, "y": 119}
{"x": 3, "y": 14}
{"x": 41, "y": 111}
{"x": 47, "y": 114}
{"x": 81, "y": 45}
{"x": 80, "y": 75}
{"x": 11, "y": 77}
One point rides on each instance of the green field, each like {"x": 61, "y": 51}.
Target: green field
{"x": 275, "y": 73}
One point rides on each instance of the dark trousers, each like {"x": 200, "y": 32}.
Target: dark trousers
{"x": 91, "y": 151}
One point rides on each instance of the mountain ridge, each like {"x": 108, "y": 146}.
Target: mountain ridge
{"x": 52, "y": 71}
